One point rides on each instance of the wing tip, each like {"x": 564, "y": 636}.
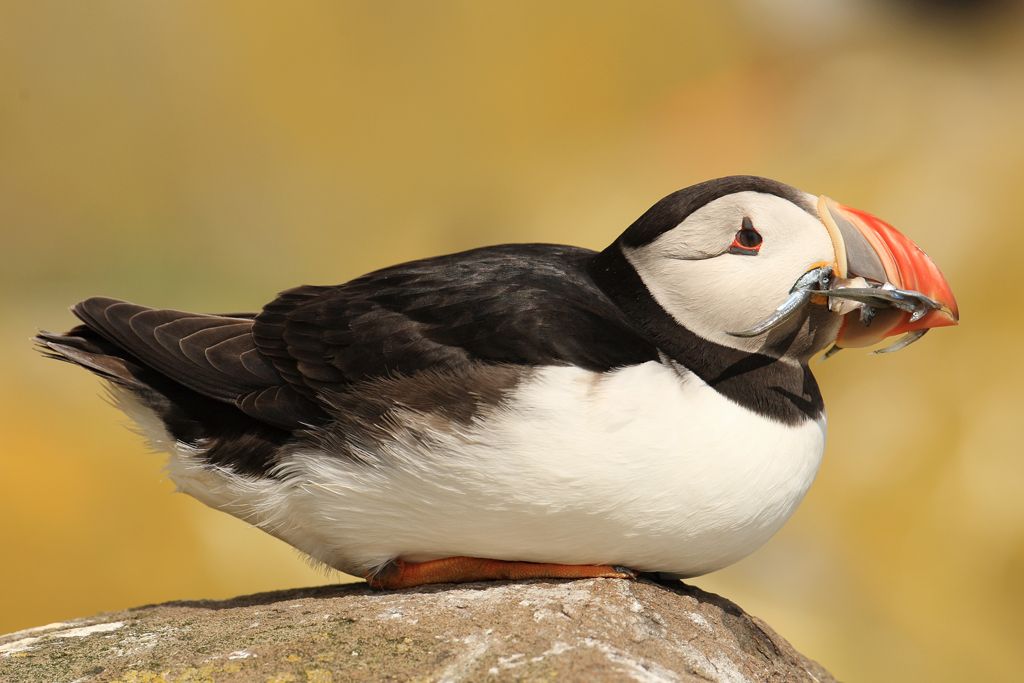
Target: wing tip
{"x": 78, "y": 351}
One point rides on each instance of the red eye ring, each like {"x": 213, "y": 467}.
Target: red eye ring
{"x": 747, "y": 241}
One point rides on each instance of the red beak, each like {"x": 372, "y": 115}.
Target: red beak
{"x": 869, "y": 247}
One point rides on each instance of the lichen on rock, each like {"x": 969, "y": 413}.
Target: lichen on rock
{"x": 592, "y": 630}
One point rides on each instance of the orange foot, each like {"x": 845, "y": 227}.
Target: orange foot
{"x": 400, "y": 574}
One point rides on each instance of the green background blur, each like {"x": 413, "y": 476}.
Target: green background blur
{"x": 204, "y": 156}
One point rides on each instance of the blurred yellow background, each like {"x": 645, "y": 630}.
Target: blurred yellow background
{"x": 204, "y": 156}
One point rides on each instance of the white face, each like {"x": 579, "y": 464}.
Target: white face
{"x": 692, "y": 274}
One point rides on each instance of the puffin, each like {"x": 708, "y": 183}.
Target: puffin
{"x": 527, "y": 411}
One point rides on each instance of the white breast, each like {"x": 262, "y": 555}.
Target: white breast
{"x": 644, "y": 467}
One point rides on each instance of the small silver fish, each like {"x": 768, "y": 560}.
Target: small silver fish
{"x": 870, "y": 298}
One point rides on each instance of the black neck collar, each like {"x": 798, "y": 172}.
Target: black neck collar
{"x": 781, "y": 390}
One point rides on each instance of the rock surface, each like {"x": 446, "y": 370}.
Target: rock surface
{"x": 594, "y": 630}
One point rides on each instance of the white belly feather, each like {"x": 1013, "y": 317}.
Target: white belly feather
{"x": 642, "y": 467}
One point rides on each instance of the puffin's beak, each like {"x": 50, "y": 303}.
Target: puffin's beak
{"x": 867, "y": 247}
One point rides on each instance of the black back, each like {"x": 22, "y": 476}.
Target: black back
{"x": 526, "y": 304}
{"x": 246, "y": 383}
{"x": 530, "y": 304}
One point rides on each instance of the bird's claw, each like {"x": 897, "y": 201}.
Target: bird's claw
{"x": 626, "y": 572}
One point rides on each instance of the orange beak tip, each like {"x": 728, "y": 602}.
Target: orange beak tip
{"x": 869, "y": 247}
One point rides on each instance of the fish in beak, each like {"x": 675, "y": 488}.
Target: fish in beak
{"x": 880, "y": 282}
{"x": 884, "y": 284}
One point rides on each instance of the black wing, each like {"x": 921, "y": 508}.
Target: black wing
{"x": 529, "y": 304}
{"x": 213, "y": 355}
{"x": 512, "y": 304}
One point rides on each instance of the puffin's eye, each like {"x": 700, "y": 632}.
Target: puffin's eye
{"x": 747, "y": 241}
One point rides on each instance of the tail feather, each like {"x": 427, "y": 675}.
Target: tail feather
{"x": 219, "y": 431}
{"x": 215, "y": 356}
{"x": 76, "y": 347}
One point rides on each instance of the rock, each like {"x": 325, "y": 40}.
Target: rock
{"x": 593, "y": 630}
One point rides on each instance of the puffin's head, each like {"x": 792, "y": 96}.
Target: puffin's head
{"x": 721, "y": 258}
